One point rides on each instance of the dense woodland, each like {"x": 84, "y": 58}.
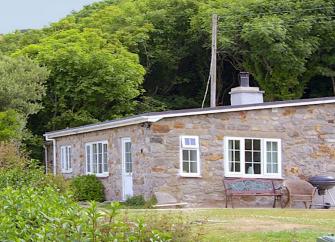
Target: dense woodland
{"x": 116, "y": 58}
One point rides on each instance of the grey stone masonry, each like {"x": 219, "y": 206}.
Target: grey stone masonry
{"x": 307, "y": 135}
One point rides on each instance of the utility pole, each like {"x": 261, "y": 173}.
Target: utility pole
{"x": 213, "y": 60}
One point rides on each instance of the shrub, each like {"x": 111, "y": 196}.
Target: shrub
{"x": 87, "y": 188}
{"x": 11, "y": 156}
{"x": 135, "y": 201}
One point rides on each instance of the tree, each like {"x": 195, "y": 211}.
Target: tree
{"x": 11, "y": 126}
{"x": 90, "y": 79}
{"x": 273, "y": 40}
{"x": 21, "y": 85}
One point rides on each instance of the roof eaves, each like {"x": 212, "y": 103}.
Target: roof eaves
{"x": 99, "y": 126}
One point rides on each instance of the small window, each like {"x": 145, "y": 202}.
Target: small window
{"x": 96, "y": 158}
{"x": 190, "y": 157}
{"x": 66, "y": 162}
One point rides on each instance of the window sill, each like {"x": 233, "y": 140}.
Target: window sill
{"x": 190, "y": 176}
{"x": 253, "y": 176}
{"x": 103, "y": 175}
{"x": 66, "y": 171}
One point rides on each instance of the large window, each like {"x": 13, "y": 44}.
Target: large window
{"x": 189, "y": 156}
{"x": 252, "y": 157}
{"x": 65, "y": 153}
{"x": 96, "y": 158}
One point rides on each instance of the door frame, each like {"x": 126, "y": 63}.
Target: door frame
{"x": 124, "y": 140}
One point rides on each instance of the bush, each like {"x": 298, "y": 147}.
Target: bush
{"x": 87, "y": 188}
{"x": 36, "y": 214}
{"x": 135, "y": 201}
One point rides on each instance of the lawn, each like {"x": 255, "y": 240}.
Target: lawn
{"x": 247, "y": 224}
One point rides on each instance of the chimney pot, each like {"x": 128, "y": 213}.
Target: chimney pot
{"x": 244, "y": 79}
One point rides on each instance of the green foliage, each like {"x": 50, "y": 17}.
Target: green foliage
{"x": 273, "y": 40}
{"x": 86, "y": 71}
{"x": 11, "y": 125}
{"x": 135, "y": 201}
{"x": 139, "y": 202}
{"x": 21, "y": 85}
{"x": 87, "y": 188}
{"x": 97, "y": 56}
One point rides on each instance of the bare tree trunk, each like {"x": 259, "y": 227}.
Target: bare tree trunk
{"x": 333, "y": 80}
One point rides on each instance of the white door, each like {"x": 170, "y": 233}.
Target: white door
{"x": 127, "y": 168}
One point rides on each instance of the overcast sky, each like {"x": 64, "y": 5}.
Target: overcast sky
{"x": 28, "y": 14}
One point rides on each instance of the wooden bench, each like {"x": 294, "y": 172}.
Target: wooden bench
{"x": 250, "y": 187}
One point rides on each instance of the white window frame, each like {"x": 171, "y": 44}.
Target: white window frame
{"x": 196, "y": 147}
{"x": 242, "y": 172}
{"x": 124, "y": 166}
{"x": 66, "y": 158}
{"x": 103, "y": 173}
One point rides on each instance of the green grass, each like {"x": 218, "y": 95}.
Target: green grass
{"x": 249, "y": 224}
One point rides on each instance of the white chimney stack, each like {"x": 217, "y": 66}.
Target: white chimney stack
{"x": 244, "y": 94}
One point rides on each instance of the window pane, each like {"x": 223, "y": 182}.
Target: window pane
{"x": 237, "y": 156}
{"x": 257, "y": 168}
{"x": 237, "y": 144}
{"x": 257, "y": 156}
{"x": 193, "y": 167}
{"x": 193, "y": 155}
{"x": 248, "y": 157}
{"x": 231, "y": 144}
{"x": 275, "y": 168}
{"x": 186, "y": 167}
{"x": 248, "y": 168}
{"x": 186, "y": 156}
{"x": 274, "y": 146}
{"x": 268, "y": 146}
{"x": 94, "y": 163}
{"x": 231, "y": 167}
{"x": 192, "y": 141}
{"x": 70, "y": 159}
{"x": 269, "y": 168}
{"x": 187, "y": 141}
{"x": 256, "y": 144}
{"x": 127, "y": 146}
{"x": 275, "y": 157}
{"x": 88, "y": 158}
{"x": 237, "y": 167}
{"x": 248, "y": 144}
{"x": 230, "y": 155}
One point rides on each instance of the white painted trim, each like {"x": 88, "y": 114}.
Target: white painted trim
{"x": 124, "y": 140}
{"x": 68, "y": 159}
{"x": 155, "y": 118}
{"x": 263, "y": 174}
{"x": 54, "y": 148}
{"x": 181, "y": 148}
{"x": 90, "y": 144}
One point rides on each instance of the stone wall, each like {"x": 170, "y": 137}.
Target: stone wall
{"x": 308, "y": 148}
{"x": 112, "y": 183}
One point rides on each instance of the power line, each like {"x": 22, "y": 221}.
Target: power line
{"x": 284, "y": 24}
{"x": 277, "y": 12}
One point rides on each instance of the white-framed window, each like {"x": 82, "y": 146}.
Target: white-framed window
{"x": 127, "y": 159}
{"x": 97, "y": 158}
{"x": 65, "y": 154}
{"x": 252, "y": 157}
{"x": 189, "y": 156}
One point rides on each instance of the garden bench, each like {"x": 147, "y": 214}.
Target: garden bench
{"x": 250, "y": 187}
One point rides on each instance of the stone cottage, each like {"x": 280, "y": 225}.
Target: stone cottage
{"x": 188, "y": 153}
